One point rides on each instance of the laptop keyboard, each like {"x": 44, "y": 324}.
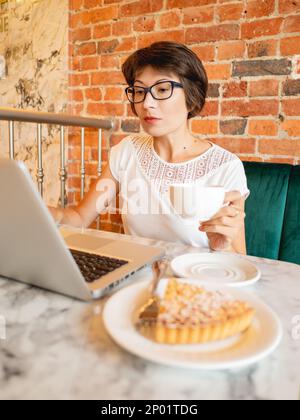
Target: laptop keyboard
{"x": 93, "y": 266}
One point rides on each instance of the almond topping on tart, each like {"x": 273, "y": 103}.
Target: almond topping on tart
{"x": 184, "y": 313}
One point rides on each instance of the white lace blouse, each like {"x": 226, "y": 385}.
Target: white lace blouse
{"x": 144, "y": 180}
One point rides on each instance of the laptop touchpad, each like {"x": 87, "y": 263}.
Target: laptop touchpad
{"x": 87, "y": 242}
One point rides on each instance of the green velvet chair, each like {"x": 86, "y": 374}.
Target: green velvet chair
{"x": 265, "y": 208}
{"x": 290, "y": 239}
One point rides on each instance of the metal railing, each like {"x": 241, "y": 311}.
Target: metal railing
{"x": 62, "y": 120}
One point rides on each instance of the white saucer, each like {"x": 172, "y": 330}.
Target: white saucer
{"x": 229, "y": 270}
{"x": 257, "y": 342}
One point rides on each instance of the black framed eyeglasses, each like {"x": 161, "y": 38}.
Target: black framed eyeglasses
{"x": 159, "y": 91}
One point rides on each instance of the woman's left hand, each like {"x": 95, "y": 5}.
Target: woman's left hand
{"x": 225, "y": 225}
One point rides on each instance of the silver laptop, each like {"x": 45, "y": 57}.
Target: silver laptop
{"x": 34, "y": 251}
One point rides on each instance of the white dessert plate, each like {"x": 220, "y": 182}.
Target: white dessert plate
{"x": 262, "y": 338}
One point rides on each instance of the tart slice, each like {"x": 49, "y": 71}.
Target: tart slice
{"x": 184, "y": 313}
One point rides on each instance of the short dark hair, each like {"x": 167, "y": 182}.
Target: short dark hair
{"x": 175, "y": 58}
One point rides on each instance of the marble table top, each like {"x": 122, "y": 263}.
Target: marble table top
{"x": 58, "y": 348}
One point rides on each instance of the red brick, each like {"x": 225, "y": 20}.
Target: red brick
{"x": 108, "y": 47}
{"x": 75, "y": 153}
{"x": 91, "y": 139}
{"x": 211, "y": 108}
{"x": 75, "y": 64}
{"x": 73, "y": 168}
{"x": 115, "y": 218}
{"x": 250, "y": 108}
{"x": 102, "y": 31}
{"x": 169, "y": 20}
{"x": 109, "y": 227}
{"x": 121, "y": 28}
{"x": 230, "y": 12}
{"x": 76, "y": 95}
{"x": 263, "y": 48}
{"x": 264, "y": 88}
{"x": 105, "y": 13}
{"x": 212, "y": 33}
{"x": 109, "y": 61}
{"x": 213, "y": 90}
{"x": 105, "y": 2}
{"x": 141, "y": 7}
{"x": 144, "y": 24}
{"x": 205, "y": 126}
{"x": 291, "y": 87}
{"x": 78, "y": 79}
{"x": 290, "y": 46}
{"x": 104, "y": 154}
{"x": 145, "y": 40}
{"x": 114, "y": 94}
{"x": 75, "y": 4}
{"x": 261, "y": 28}
{"x": 205, "y": 52}
{"x": 187, "y": 3}
{"x": 197, "y": 15}
{"x": 249, "y": 68}
{"x": 292, "y": 24}
{"x": 291, "y": 127}
{"x": 263, "y": 128}
{"x": 91, "y": 168}
{"x": 74, "y": 182}
{"x": 229, "y": 50}
{"x": 279, "y": 147}
{"x": 93, "y": 94}
{"x": 291, "y": 107}
{"x": 107, "y": 78}
{"x": 289, "y": 6}
{"x": 82, "y": 34}
{"x": 90, "y": 63}
{"x": 74, "y": 21}
{"x": 106, "y": 109}
{"x": 89, "y": 4}
{"x": 86, "y": 49}
{"x": 218, "y": 71}
{"x": 259, "y": 8}
{"x": 80, "y": 19}
{"x": 71, "y": 50}
{"x": 236, "y": 144}
{"x": 126, "y": 44}
{"x": 249, "y": 158}
{"x": 235, "y": 90}
{"x": 233, "y": 127}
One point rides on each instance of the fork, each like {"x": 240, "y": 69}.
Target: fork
{"x": 149, "y": 311}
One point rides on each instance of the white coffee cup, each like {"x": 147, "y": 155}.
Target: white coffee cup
{"x": 196, "y": 203}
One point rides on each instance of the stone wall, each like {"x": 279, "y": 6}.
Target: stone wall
{"x": 35, "y": 47}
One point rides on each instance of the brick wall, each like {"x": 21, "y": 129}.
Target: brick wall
{"x": 251, "y": 50}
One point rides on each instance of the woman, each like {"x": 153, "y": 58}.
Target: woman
{"x": 167, "y": 86}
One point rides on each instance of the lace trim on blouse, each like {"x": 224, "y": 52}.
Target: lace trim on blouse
{"x": 162, "y": 174}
